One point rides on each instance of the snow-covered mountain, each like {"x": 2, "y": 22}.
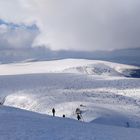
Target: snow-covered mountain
{"x": 102, "y": 90}
{"x": 83, "y": 66}
{"x": 126, "y": 56}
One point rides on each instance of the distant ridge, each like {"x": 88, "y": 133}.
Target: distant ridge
{"x": 125, "y": 56}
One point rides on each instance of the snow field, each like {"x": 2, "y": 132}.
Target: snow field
{"x": 100, "y": 89}
{"x": 19, "y": 124}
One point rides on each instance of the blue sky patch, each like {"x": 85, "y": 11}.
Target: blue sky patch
{"x": 14, "y": 25}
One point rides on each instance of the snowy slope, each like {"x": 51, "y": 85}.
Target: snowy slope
{"x": 98, "y": 88}
{"x": 65, "y": 65}
{"x": 18, "y": 124}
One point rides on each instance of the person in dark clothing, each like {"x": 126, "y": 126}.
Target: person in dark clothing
{"x": 127, "y": 124}
{"x": 78, "y": 116}
{"x": 53, "y": 111}
{"x": 63, "y": 116}
{"x": 78, "y": 111}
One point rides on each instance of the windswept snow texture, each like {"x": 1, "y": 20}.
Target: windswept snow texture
{"x": 81, "y": 66}
{"x": 18, "y": 124}
{"x": 100, "y": 89}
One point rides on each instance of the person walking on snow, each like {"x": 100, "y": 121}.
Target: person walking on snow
{"x": 78, "y": 116}
{"x": 53, "y": 111}
{"x": 78, "y": 112}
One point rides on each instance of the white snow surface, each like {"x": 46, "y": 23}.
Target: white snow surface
{"x": 65, "y": 65}
{"x": 109, "y": 101}
{"x": 19, "y": 124}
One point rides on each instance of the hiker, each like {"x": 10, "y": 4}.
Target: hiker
{"x": 127, "y": 124}
{"x": 63, "y": 115}
{"x": 78, "y": 111}
{"x": 78, "y": 116}
{"x": 53, "y": 111}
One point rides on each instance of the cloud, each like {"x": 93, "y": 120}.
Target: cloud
{"x": 16, "y": 37}
{"x": 76, "y": 24}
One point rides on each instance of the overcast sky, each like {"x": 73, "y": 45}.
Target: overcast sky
{"x": 85, "y": 25}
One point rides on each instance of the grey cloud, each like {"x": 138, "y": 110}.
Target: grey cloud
{"x": 79, "y": 24}
{"x": 16, "y": 37}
